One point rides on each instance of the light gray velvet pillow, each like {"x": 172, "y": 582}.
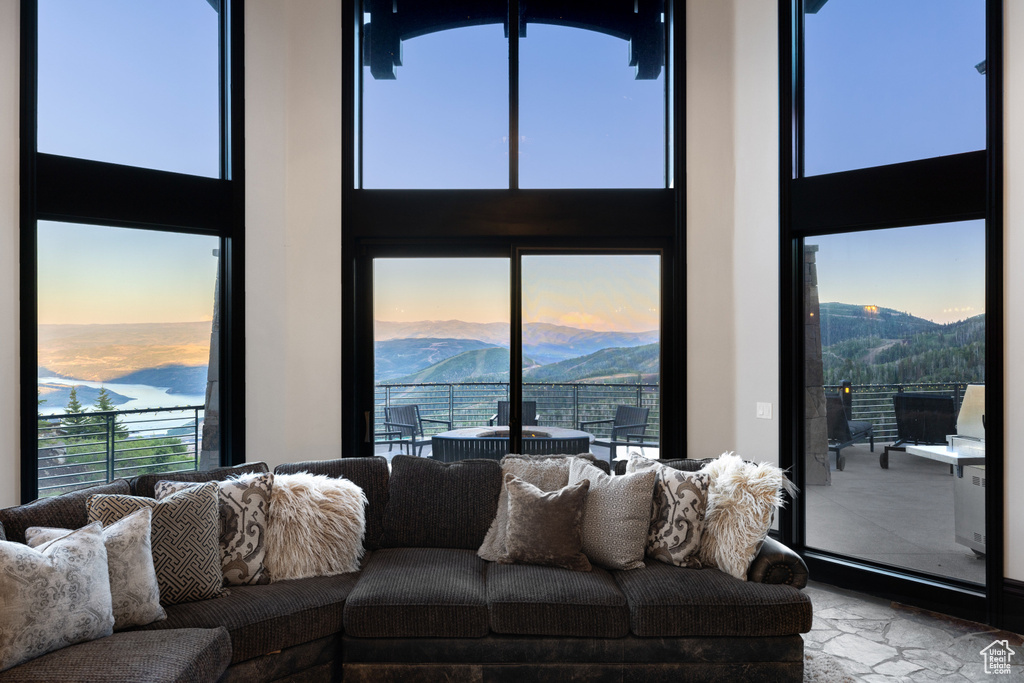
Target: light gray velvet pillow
{"x": 545, "y": 527}
{"x": 134, "y": 591}
{"x": 677, "y": 512}
{"x": 616, "y": 516}
{"x": 53, "y": 596}
{"x": 244, "y": 509}
{"x": 186, "y": 554}
{"x": 548, "y": 473}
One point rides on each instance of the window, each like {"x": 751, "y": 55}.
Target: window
{"x": 510, "y": 161}
{"x": 890, "y": 232}
{"x": 131, "y": 242}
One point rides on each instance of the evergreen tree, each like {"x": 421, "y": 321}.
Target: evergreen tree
{"x": 105, "y": 404}
{"x": 73, "y": 423}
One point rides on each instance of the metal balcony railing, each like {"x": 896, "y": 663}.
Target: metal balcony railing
{"x": 78, "y": 450}
{"x": 873, "y": 402}
{"x": 472, "y": 404}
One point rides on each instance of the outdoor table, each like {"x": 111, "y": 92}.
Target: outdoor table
{"x": 489, "y": 442}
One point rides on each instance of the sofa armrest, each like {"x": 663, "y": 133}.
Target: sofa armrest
{"x": 776, "y": 563}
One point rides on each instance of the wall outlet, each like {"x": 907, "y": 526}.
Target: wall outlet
{"x": 764, "y": 410}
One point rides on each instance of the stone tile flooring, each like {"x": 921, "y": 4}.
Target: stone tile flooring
{"x": 876, "y": 640}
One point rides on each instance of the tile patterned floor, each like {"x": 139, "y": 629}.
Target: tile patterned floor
{"x": 879, "y": 641}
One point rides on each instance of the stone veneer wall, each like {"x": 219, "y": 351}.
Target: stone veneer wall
{"x": 816, "y": 467}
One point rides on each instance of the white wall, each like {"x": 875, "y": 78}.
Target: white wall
{"x": 10, "y": 461}
{"x": 293, "y": 230}
{"x": 1013, "y": 283}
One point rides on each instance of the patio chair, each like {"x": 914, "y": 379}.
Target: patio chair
{"x": 628, "y": 427}
{"x": 842, "y": 431}
{"x": 920, "y": 419}
{"x": 529, "y": 414}
{"x": 406, "y": 421}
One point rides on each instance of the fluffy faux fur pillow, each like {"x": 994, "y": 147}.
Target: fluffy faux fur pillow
{"x": 316, "y": 526}
{"x": 741, "y": 499}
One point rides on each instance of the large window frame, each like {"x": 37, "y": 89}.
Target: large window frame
{"x": 929, "y": 191}
{"x": 82, "y": 191}
{"x": 506, "y": 223}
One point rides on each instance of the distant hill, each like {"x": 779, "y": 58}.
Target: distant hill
{"x": 609, "y": 365}
{"x": 56, "y": 396}
{"x": 842, "y": 322}
{"x": 177, "y": 379}
{"x": 398, "y": 357}
{"x": 543, "y": 342}
{"x": 482, "y": 365}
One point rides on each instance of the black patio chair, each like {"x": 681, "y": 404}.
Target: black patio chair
{"x": 842, "y": 431}
{"x": 529, "y": 414}
{"x": 406, "y": 421}
{"x": 920, "y": 419}
{"x": 628, "y": 427}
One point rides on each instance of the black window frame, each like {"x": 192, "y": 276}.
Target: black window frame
{"x": 928, "y": 191}
{"x": 506, "y": 222}
{"x": 88, "y": 192}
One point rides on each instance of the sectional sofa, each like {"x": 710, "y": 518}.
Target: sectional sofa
{"x": 425, "y": 607}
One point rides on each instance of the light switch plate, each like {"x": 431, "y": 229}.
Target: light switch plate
{"x": 764, "y": 410}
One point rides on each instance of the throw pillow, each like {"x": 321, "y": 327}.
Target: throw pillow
{"x": 435, "y": 504}
{"x": 186, "y": 554}
{"x": 742, "y": 497}
{"x": 133, "y": 587}
{"x": 545, "y": 527}
{"x": 244, "y": 504}
{"x": 548, "y": 473}
{"x": 616, "y": 515}
{"x": 53, "y": 596}
{"x": 316, "y": 526}
{"x": 677, "y": 512}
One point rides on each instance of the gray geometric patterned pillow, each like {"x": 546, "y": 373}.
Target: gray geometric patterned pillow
{"x": 186, "y": 554}
{"x": 244, "y": 504}
{"x": 133, "y": 587}
{"x": 616, "y": 515}
{"x": 53, "y": 596}
{"x": 677, "y": 512}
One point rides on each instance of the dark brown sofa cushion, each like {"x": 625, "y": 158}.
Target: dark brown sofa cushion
{"x": 369, "y": 474}
{"x": 672, "y": 601}
{"x": 144, "y": 484}
{"x": 66, "y": 511}
{"x": 268, "y": 618}
{"x": 550, "y": 601}
{"x": 419, "y": 592}
{"x": 435, "y": 504}
{"x": 175, "y": 656}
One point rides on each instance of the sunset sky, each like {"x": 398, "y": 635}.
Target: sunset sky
{"x": 591, "y": 292}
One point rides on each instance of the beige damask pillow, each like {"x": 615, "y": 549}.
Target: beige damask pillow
{"x": 134, "y": 590}
{"x": 186, "y": 554}
{"x": 616, "y": 516}
{"x": 244, "y": 508}
{"x": 677, "y": 512}
{"x": 53, "y": 596}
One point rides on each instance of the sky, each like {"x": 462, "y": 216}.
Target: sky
{"x": 595, "y": 292}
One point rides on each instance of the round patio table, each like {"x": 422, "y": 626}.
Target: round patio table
{"x": 492, "y": 442}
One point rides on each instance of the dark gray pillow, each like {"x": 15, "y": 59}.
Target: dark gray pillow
{"x": 435, "y": 504}
{"x": 545, "y": 527}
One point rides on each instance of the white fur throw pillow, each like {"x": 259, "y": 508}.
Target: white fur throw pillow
{"x": 316, "y": 526}
{"x": 742, "y": 497}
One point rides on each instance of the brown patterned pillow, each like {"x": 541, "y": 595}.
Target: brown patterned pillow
{"x": 616, "y": 516}
{"x": 545, "y": 527}
{"x": 133, "y": 586}
{"x": 186, "y": 554}
{"x": 244, "y": 505}
{"x": 53, "y": 596}
{"x": 677, "y": 512}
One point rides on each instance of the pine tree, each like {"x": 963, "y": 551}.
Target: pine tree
{"x": 105, "y": 404}
{"x": 73, "y": 423}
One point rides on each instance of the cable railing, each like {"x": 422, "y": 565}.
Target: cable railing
{"x": 873, "y": 402}
{"x": 78, "y": 450}
{"x": 472, "y": 404}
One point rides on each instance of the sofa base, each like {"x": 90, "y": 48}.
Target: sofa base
{"x": 312, "y": 662}
{"x": 766, "y": 672}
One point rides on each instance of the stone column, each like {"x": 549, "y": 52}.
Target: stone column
{"x": 209, "y": 456}
{"x": 816, "y": 467}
